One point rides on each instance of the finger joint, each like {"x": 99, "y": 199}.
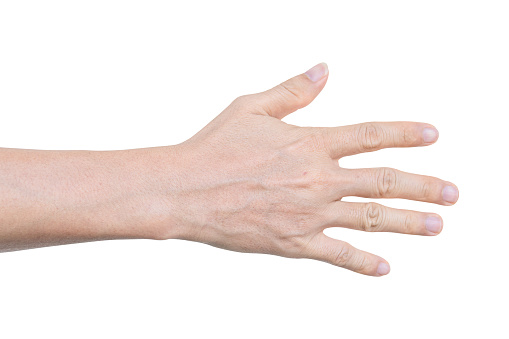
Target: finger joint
{"x": 369, "y": 137}
{"x": 386, "y": 182}
{"x": 408, "y": 224}
{"x": 428, "y": 190}
{"x": 343, "y": 256}
{"x": 374, "y": 218}
{"x": 409, "y": 136}
{"x": 289, "y": 93}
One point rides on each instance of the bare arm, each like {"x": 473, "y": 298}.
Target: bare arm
{"x": 58, "y": 197}
{"x": 246, "y": 182}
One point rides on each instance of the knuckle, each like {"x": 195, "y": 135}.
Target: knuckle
{"x": 244, "y": 103}
{"x": 369, "y": 136}
{"x": 386, "y": 182}
{"x": 290, "y": 93}
{"x": 374, "y": 217}
{"x": 312, "y": 142}
{"x": 299, "y": 241}
{"x": 319, "y": 179}
{"x": 343, "y": 256}
{"x": 408, "y": 224}
{"x": 307, "y": 141}
{"x": 428, "y": 190}
{"x": 240, "y": 100}
{"x": 293, "y": 245}
{"x": 363, "y": 265}
{"x": 409, "y": 136}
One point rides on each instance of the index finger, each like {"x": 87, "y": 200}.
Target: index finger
{"x": 372, "y": 136}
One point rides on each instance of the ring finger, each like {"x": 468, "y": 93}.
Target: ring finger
{"x": 373, "y": 217}
{"x": 390, "y": 183}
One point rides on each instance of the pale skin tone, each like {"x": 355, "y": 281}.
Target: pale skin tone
{"x": 246, "y": 182}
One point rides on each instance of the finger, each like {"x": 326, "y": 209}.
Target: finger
{"x": 372, "y": 136}
{"x": 294, "y": 93}
{"x": 342, "y": 254}
{"x": 390, "y": 183}
{"x": 373, "y": 217}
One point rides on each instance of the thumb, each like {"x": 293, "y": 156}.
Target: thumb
{"x": 294, "y": 93}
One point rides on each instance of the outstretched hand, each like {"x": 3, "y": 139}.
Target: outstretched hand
{"x": 253, "y": 183}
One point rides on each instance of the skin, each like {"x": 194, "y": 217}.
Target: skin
{"x": 246, "y": 182}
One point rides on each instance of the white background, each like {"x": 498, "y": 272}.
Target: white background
{"x": 105, "y": 75}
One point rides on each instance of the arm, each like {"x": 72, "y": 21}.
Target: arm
{"x": 58, "y": 197}
{"x": 246, "y": 182}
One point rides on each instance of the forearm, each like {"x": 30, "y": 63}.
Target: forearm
{"x": 57, "y": 197}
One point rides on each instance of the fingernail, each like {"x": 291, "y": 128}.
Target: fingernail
{"x": 433, "y": 224}
{"x": 383, "y": 269}
{"x": 429, "y": 134}
{"x": 317, "y": 72}
{"x": 450, "y": 194}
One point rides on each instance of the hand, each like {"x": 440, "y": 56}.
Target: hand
{"x": 253, "y": 183}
